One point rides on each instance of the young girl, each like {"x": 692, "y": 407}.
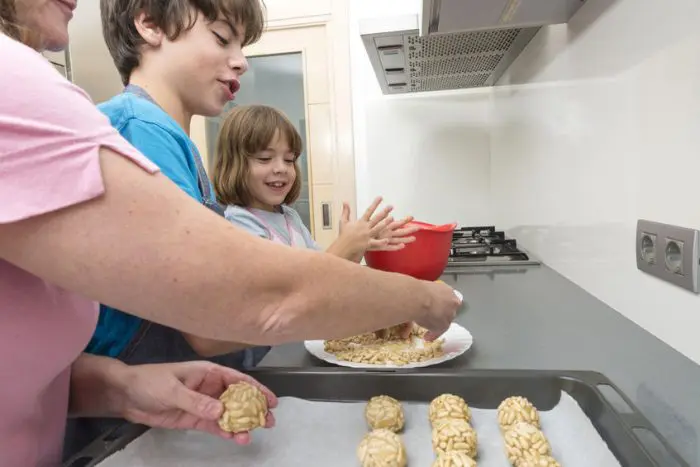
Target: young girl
{"x": 257, "y": 177}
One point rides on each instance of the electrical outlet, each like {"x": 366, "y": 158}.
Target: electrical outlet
{"x": 669, "y": 252}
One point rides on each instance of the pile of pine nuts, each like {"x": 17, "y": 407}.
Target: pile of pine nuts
{"x": 391, "y": 349}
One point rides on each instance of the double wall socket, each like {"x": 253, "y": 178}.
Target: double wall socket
{"x": 669, "y": 253}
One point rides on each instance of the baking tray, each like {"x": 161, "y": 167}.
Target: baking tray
{"x": 629, "y": 435}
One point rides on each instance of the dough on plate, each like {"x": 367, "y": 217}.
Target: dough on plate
{"x": 384, "y": 412}
{"x": 523, "y": 439}
{"x": 454, "y": 459}
{"x": 517, "y": 409}
{"x": 381, "y": 448}
{"x": 448, "y": 406}
{"x": 245, "y": 407}
{"x": 454, "y": 434}
{"x": 537, "y": 461}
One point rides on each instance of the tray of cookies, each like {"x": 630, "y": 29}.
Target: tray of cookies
{"x": 340, "y": 417}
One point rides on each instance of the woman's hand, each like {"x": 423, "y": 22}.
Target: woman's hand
{"x": 184, "y": 396}
{"x": 403, "y": 330}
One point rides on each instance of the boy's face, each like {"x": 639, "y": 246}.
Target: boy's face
{"x": 203, "y": 65}
{"x": 271, "y": 174}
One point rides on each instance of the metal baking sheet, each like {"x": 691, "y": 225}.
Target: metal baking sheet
{"x": 582, "y": 426}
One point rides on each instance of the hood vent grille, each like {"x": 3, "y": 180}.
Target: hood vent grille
{"x": 456, "y": 44}
{"x": 409, "y": 62}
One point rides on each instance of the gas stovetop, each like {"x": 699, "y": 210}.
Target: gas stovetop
{"x": 486, "y": 246}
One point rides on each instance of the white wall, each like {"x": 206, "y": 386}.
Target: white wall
{"x": 596, "y": 125}
{"x": 426, "y": 154}
{"x": 600, "y": 127}
{"x": 92, "y": 65}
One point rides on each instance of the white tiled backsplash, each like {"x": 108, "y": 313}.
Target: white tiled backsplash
{"x": 595, "y": 125}
{"x": 601, "y": 128}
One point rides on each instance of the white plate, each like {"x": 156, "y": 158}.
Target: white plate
{"x": 457, "y": 341}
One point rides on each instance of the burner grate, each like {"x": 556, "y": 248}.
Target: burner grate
{"x": 478, "y": 243}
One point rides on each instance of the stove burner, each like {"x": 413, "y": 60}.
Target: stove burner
{"x": 484, "y": 243}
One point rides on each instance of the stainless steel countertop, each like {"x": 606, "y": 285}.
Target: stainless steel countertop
{"x": 531, "y": 317}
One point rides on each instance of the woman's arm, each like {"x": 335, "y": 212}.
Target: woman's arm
{"x": 181, "y": 396}
{"x": 97, "y": 387}
{"x": 212, "y": 347}
{"x": 146, "y": 248}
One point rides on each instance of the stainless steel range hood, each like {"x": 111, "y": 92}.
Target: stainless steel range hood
{"x": 456, "y": 44}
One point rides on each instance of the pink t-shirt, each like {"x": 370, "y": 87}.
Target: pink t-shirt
{"x": 50, "y": 133}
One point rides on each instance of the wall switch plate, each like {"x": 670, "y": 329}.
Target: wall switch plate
{"x": 669, "y": 252}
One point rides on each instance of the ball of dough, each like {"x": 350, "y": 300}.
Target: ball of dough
{"x": 454, "y": 434}
{"x": 245, "y": 407}
{"x": 448, "y": 406}
{"x": 537, "y": 461}
{"x": 384, "y": 412}
{"x": 523, "y": 439}
{"x": 381, "y": 448}
{"x": 454, "y": 459}
{"x": 517, "y": 409}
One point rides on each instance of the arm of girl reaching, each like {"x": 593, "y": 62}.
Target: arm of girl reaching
{"x": 355, "y": 237}
{"x": 83, "y": 210}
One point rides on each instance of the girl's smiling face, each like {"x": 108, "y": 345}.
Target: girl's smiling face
{"x": 272, "y": 173}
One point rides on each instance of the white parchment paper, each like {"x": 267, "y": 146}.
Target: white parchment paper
{"x": 328, "y": 433}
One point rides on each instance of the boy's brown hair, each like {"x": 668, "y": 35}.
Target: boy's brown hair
{"x": 174, "y": 17}
{"x": 246, "y": 131}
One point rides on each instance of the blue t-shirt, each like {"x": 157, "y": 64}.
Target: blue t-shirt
{"x": 153, "y": 132}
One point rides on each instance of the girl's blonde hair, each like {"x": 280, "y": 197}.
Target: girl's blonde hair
{"x": 246, "y": 131}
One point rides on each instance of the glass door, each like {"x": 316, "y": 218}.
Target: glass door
{"x": 277, "y": 81}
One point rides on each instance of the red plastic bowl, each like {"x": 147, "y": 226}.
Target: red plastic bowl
{"x": 426, "y": 258}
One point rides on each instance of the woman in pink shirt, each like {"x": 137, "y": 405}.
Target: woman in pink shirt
{"x": 85, "y": 218}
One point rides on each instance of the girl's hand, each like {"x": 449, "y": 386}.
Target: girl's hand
{"x": 396, "y": 235}
{"x": 364, "y": 233}
{"x": 184, "y": 396}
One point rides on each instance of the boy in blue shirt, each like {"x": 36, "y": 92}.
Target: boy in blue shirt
{"x": 177, "y": 59}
